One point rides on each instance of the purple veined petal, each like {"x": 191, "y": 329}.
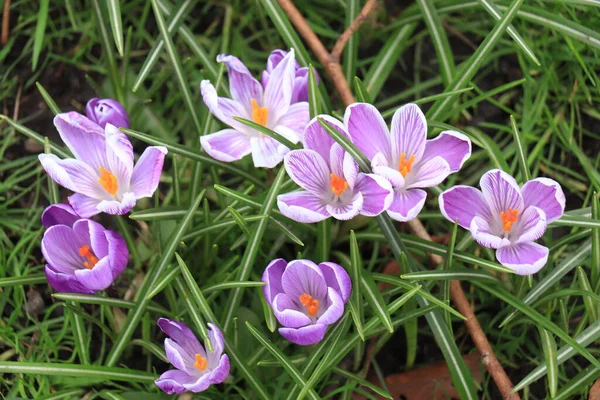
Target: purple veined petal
{"x": 350, "y": 169}
{"x": 295, "y": 120}
{"x": 147, "y": 171}
{"x": 91, "y": 233}
{"x": 545, "y": 194}
{"x": 218, "y": 342}
{"x": 428, "y": 174}
{"x": 381, "y": 167}
{"x": 452, "y": 146}
{"x": 302, "y": 207}
{"x": 267, "y": 152}
{"x": 300, "y": 92}
{"x": 523, "y": 258}
{"x": 337, "y": 278}
{"x": 98, "y": 278}
{"x": 377, "y": 194}
{"x": 501, "y": 192}
{"x": 242, "y": 85}
{"x": 179, "y": 357}
{"x": 304, "y": 336}
{"x": 278, "y": 92}
{"x": 288, "y": 133}
{"x": 201, "y": 383}
{"x": 272, "y": 279}
{"x": 344, "y": 212}
{"x": 103, "y": 111}
{"x": 408, "y": 133}
{"x": 118, "y": 253}
{"x": 181, "y": 334}
{"x": 309, "y": 170}
{"x": 335, "y": 308}
{"x": 59, "y": 214}
{"x": 303, "y": 277}
{"x": 219, "y": 374}
{"x": 83, "y": 137}
{"x": 60, "y": 248}
{"x": 74, "y": 175}
{"x": 487, "y": 235}
{"x": 115, "y": 207}
{"x": 343, "y": 165}
{"x": 531, "y": 226}
{"x": 274, "y": 59}
{"x": 119, "y": 155}
{"x": 287, "y": 312}
{"x": 226, "y": 145}
{"x": 316, "y": 137}
{"x": 225, "y": 109}
{"x": 171, "y": 382}
{"x": 463, "y": 203}
{"x": 65, "y": 283}
{"x": 407, "y": 204}
{"x": 368, "y": 130}
{"x": 84, "y": 205}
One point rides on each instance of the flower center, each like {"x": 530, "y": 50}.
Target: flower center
{"x": 260, "y": 115}
{"x": 338, "y": 184}
{"x": 200, "y": 363}
{"x": 312, "y": 305}
{"x": 92, "y": 260}
{"x": 508, "y": 217}
{"x": 108, "y": 181}
{"x": 405, "y": 164}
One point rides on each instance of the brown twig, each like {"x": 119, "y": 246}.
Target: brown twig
{"x": 334, "y": 70}
{"x": 5, "y": 23}
{"x": 344, "y": 37}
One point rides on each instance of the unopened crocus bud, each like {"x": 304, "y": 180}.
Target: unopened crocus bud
{"x": 103, "y": 111}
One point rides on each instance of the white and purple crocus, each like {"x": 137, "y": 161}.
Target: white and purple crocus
{"x": 507, "y": 217}
{"x": 306, "y": 297}
{"x": 102, "y": 174}
{"x": 107, "y": 111}
{"x": 403, "y": 155}
{"x": 333, "y": 186}
{"x": 271, "y": 105}
{"x": 300, "y": 92}
{"x": 82, "y": 256}
{"x": 196, "y": 368}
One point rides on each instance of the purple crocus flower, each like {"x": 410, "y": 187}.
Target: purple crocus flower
{"x": 107, "y": 111}
{"x": 508, "y": 218}
{"x": 82, "y": 256}
{"x": 405, "y": 157}
{"x": 102, "y": 173}
{"x": 331, "y": 181}
{"x": 306, "y": 297}
{"x": 196, "y": 369}
{"x": 270, "y": 106}
{"x": 300, "y": 92}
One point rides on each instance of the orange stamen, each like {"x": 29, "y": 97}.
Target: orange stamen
{"x": 338, "y": 184}
{"x": 200, "y": 363}
{"x": 260, "y": 115}
{"x": 405, "y": 164}
{"x": 108, "y": 181}
{"x": 312, "y": 305}
{"x": 509, "y": 218}
{"x": 85, "y": 251}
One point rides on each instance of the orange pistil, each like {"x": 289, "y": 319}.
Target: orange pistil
{"x": 312, "y": 305}
{"x": 260, "y": 115}
{"x": 405, "y": 164}
{"x": 200, "y": 363}
{"x": 338, "y": 184}
{"x": 92, "y": 260}
{"x": 108, "y": 181}
{"x": 509, "y": 218}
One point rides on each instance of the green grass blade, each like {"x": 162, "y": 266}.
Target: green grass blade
{"x": 32, "y": 279}
{"x": 347, "y": 145}
{"x": 114, "y": 16}
{"x": 356, "y": 275}
{"x": 351, "y": 49}
{"x": 591, "y": 305}
{"x": 314, "y": 100}
{"x": 76, "y": 370}
{"x": 266, "y": 131}
{"x": 549, "y": 348}
{"x": 596, "y": 242}
{"x": 48, "y": 99}
{"x": 521, "y": 151}
{"x": 40, "y": 32}
{"x": 361, "y": 91}
{"x": 583, "y": 379}
{"x": 375, "y": 300}
{"x": 439, "y": 39}
{"x": 451, "y": 274}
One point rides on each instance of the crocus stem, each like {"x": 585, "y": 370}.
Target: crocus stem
{"x": 125, "y": 231}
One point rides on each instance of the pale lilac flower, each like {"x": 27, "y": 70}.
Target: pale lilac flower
{"x": 107, "y": 111}
{"x": 196, "y": 369}
{"x": 306, "y": 297}
{"x": 270, "y": 106}
{"x": 404, "y": 156}
{"x": 508, "y": 218}
{"x": 300, "y": 92}
{"x": 102, "y": 174}
{"x": 82, "y": 256}
{"x": 332, "y": 184}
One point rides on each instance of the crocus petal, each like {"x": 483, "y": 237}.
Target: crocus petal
{"x": 343, "y": 165}
{"x": 179, "y": 357}
{"x": 171, "y": 382}
{"x": 302, "y": 206}
{"x": 367, "y": 129}
{"x": 93, "y": 234}
{"x": 225, "y": 109}
{"x": 306, "y": 335}
{"x": 226, "y": 145}
{"x": 146, "y": 173}
{"x": 452, "y": 146}
{"x": 344, "y": 212}
{"x": 59, "y": 214}
{"x": 316, "y": 137}
{"x": 335, "y": 309}
{"x": 380, "y": 166}
{"x": 501, "y": 192}
{"x": 377, "y": 194}
{"x": 545, "y": 194}
{"x": 98, "y": 278}
{"x": 199, "y": 385}
{"x": 242, "y": 85}
{"x": 287, "y": 313}
{"x": 408, "y": 132}
{"x": 300, "y": 92}
{"x": 119, "y": 154}
{"x": 220, "y": 373}
{"x": 65, "y": 283}
{"x": 531, "y": 226}
{"x": 407, "y": 204}
{"x": 272, "y": 279}
{"x": 115, "y": 207}
{"x": 118, "y": 254}
{"x": 218, "y": 343}
{"x": 485, "y": 234}
{"x": 182, "y": 334}
{"x": 303, "y": 276}
{"x": 337, "y": 278}
{"x": 103, "y": 111}
{"x": 309, "y": 170}
{"x": 60, "y": 248}
{"x": 83, "y": 137}
{"x": 267, "y": 152}
{"x": 523, "y": 258}
{"x": 278, "y": 92}
{"x": 74, "y": 175}
{"x": 429, "y": 173}
{"x": 463, "y": 203}
{"x": 295, "y": 119}
{"x": 84, "y": 205}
